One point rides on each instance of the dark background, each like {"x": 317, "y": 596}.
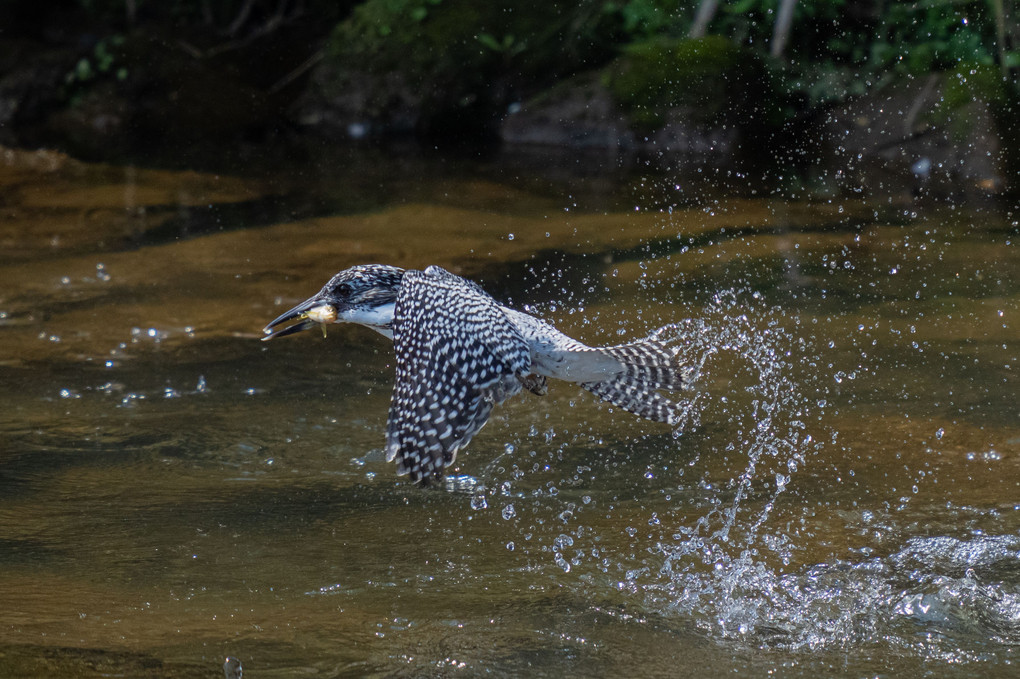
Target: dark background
{"x": 764, "y": 84}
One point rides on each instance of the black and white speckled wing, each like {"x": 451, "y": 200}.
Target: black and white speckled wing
{"x": 457, "y": 356}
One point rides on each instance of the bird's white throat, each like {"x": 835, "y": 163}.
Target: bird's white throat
{"x": 379, "y": 318}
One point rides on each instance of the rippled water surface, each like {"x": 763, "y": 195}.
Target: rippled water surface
{"x": 842, "y": 498}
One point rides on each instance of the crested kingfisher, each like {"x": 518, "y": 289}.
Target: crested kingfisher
{"x": 459, "y": 352}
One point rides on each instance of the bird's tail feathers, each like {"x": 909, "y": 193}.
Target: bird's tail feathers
{"x": 650, "y": 365}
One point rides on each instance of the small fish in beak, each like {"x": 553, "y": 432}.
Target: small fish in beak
{"x": 309, "y": 313}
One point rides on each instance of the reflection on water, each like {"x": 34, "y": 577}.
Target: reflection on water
{"x": 840, "y": 499}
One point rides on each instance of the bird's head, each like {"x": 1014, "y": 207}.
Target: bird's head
{"x": 363, "y": 294}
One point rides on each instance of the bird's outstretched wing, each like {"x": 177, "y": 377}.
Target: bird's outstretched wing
{"x": 457, "y": 356}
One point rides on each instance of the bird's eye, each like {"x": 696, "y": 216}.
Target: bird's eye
{"x": 344, "y": 289}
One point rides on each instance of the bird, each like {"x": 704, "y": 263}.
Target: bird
{"x": 459, "y": 353}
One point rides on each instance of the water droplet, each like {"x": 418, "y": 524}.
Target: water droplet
{"x": 509, "y": 512}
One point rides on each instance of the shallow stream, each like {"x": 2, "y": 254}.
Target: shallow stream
{"x": 842, "y": 498}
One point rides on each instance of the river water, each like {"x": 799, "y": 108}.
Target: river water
{"x": 841, "y": 499}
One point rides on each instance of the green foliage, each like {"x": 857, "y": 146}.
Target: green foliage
{"x": 918, "y": 37}
{"x": 459, "y": 54}
{"x": 508, "y": 45}
{"x": 644, "y": 18}
{"x": 838, "y": 48}
{"x": 381, "y": 18}
{"x": 100, "y": 63}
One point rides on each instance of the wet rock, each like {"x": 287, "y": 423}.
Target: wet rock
{"x": 359, "y": 105}
{"x": 668, "y": 98}
{"x": 577, "y": 113}
{"x": 581, "y": 114}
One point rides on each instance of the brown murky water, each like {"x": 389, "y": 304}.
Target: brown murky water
{"x": 844, "y": 499}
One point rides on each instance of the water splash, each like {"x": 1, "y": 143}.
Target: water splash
{"x": 770, "y": 406}
{"x": 746, "y": 405}
{"x": 929, "y": 584}
{"x": 717, "y": 566}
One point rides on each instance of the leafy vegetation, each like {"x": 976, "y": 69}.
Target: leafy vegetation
{"x": 101, "y": 62}
{"x": 871, "y": 38}
{"x": 838, "y": 47}
{"x": 453, "y": 65}
{"x": 835, "y": 49}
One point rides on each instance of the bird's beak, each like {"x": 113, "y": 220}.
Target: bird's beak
{"x": 311, "y": 312}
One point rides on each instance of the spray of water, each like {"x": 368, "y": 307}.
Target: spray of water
{"x": 715, "y": 567}
{"x": 746, "y": 405}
